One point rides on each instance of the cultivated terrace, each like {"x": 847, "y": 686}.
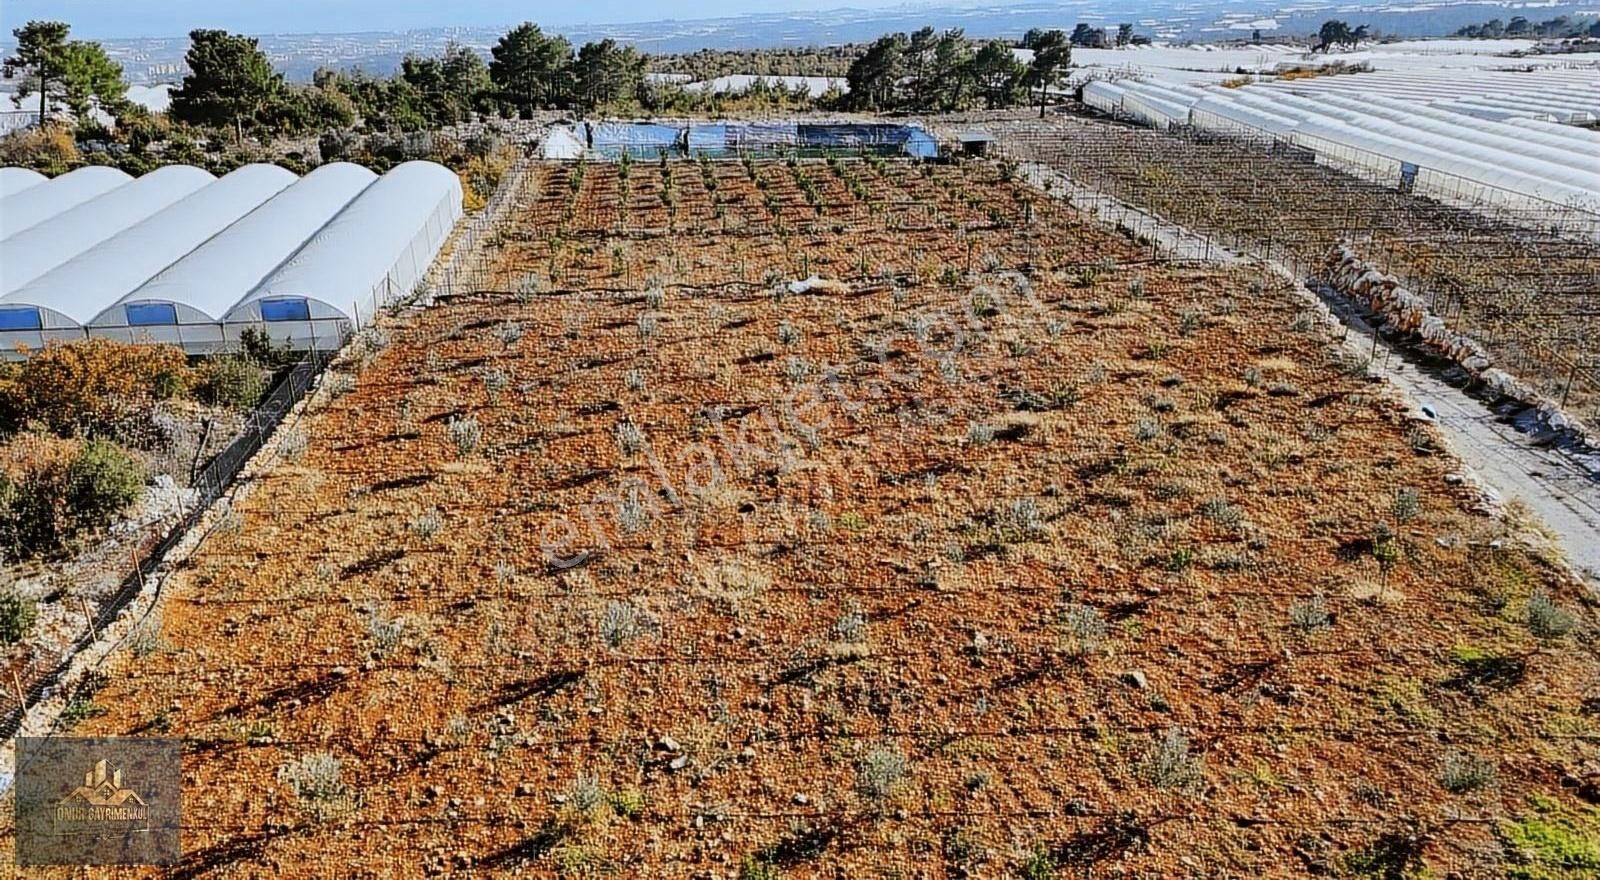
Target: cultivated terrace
{"x": 998, "y": 550}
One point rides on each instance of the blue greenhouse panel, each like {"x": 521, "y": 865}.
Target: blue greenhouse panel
{"x": 150, "y": 314}
{"x": 285, "y": 310}
{"x": 26, "y": 318}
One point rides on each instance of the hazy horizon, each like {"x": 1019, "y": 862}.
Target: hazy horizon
{"x": 98, "y": 19}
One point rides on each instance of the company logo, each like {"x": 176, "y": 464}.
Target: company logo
{"x": 100, "y": 801}
{"x": 103, "y": 800}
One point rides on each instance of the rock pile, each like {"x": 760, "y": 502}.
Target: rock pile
{"x": 1404, "y": 310}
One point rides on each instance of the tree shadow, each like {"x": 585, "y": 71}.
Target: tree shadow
{"x": 1107, "y": 843}
{"x": 528, "y": 850}
{"x": 801, "y": 845}
{"x": 1487, "y": 673}
{"x": 303, "y": 692}
{"x": 371, "y": 563}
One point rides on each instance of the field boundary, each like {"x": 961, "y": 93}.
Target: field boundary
{"x": 40, "y": 677}
{"x": 1351, "y": 275}
{"x": 1516, "y": 281}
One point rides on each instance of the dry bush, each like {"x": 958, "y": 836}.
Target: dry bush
{"x": 93, "y": 387}
{"x": 50, "y": 150}
{"x": 53, "y": 490}
{"x": 481, "y": 175}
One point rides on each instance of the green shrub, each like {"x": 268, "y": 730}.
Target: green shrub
{"x": 52, "y": 490}
{"x": 102, "y": 480}
{"x": 1552, "y": 842}
{"x": 17, "y": 614}
{"x": 232, "y": 380}
{"x": 258, "y": 347}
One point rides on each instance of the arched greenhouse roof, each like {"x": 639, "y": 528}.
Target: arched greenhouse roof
{"x": 35, "y": 204}
{"x": 84, "y": 286}
{"x": 219, "y": 273}
{"x": 15, "y": 180}
{"x": 373, "y": 251}
{"x": 44, "y": 246}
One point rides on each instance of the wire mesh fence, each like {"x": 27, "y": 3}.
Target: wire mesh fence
{"x": 463, "y": 270}
{"x": 33, "y": 676}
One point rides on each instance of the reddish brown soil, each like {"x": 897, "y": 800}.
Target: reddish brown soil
{"x": 1203, "y": 468}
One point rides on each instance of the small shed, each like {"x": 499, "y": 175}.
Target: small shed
{"x": 975, "y": 142}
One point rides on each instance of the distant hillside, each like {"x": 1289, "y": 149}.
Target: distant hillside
{"x": 342, "y": 35}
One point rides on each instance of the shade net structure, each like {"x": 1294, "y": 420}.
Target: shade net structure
{"x": 374, "y": 252}
{"x": 70, "y": 296}
{"x": 612, "y": 140}
{"x": 30, "y": 206}
{"x": 197, "y": 290}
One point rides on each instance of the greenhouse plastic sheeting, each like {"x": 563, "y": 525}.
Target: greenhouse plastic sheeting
{"x": 762, "y": 135}
{"x": 921, "y": 145}
{"x": 84, "y": 286}
{"x": 851, "y": 136}
{"x": 219, "y": 273}
{"x": 1103, "y": 96}
{"x": 44, "y": 246}
{"x": 562, "y": 142}
{"x": 372, "y": 253}
{"x": 708, "y": 136}
{"x": 36, "y": 204}
{"x": 635, "y": 138}
{"x": 15, "y": 180}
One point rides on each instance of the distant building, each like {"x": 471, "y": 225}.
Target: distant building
{"x": 974, "y": 142}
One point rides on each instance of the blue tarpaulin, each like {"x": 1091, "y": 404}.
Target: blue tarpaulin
{"x": 612, "y": 139}
{"x": 921, "y": 145}
{"x": 637, "y": 138}
{"x": 850, "y": 136}
{"x": 760, "y": 135}
{"x": 711, "y": 136}
{"x": 877, "y": 137}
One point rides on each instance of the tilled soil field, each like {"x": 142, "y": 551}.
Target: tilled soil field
{"x": 1528, "y": 294}
{"x": 1004, "y": 554}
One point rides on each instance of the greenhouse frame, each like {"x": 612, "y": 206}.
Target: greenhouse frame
{"x": 371, "y": 254}
{"x": 1522, "y": 164}
{"x": 73, "y": 294}
{"x": 200, "y": 288}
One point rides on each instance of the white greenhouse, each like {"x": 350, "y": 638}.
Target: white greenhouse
{"x": 33, "y": 205}
{"x": 197, "y": 290}
{"x": 44, "y": 246}
{"x": 1393, "y": 135}
{"x": 70, "y": 296}
{"x": 15, "y": 180}
{"x": 178, "y": 256}
{"x": 375, "y": 251}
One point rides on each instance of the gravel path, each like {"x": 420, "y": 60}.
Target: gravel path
{"x": 1509, "y": 458}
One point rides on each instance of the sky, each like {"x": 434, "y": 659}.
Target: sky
{"x": 100, "y": 19}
